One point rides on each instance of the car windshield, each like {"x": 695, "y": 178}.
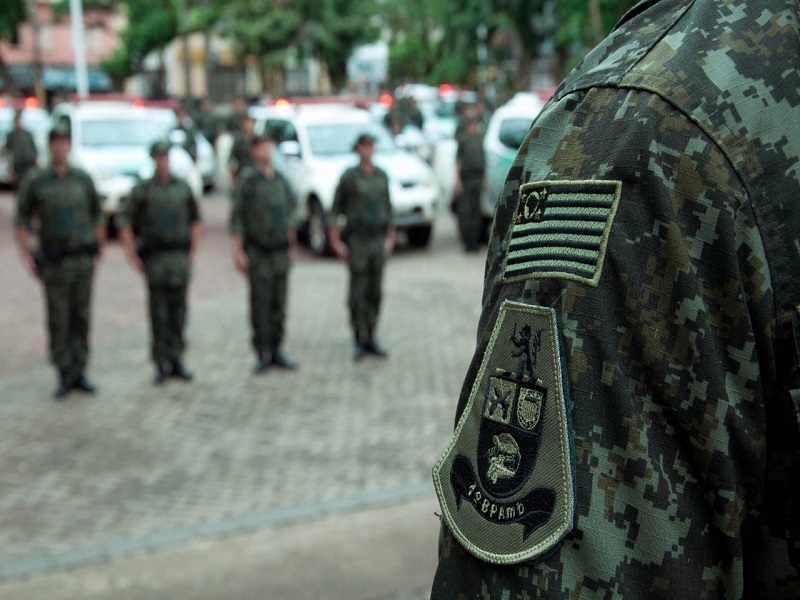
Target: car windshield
{"x": 339, "y": 138}
{"x": 123, "y": 132}
{"x": 513, "y": 131}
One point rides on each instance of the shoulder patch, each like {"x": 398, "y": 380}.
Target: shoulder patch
{"x": 560, "y": 230}
{"x": 505, "y": 482}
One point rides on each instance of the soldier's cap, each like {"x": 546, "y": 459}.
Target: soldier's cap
{"x": 260, "y": 137}
{"x": 364, "y": 138}
{"x": 59, "y": 130}
{"x": 159, "y": 147}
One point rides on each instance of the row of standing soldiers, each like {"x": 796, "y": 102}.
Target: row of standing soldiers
{"x": 160, "y": 231}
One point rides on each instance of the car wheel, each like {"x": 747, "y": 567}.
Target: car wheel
{"x": 317, "y": 229}
{"x": 419, "y": 236}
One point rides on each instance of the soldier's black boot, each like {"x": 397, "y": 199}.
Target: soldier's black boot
{"x": 261, "y": 364}
{"x": 279, "y": 359}
{"x": 84, "y": 384}
{"x": 372, "y": 346}
{"x": 358, "y": 346}
{"x": 63, "y": 387}
{"x": 179, "y": 371}
{"x": 160, "y": 375}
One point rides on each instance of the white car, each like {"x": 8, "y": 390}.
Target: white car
{"x": 507, "y": 128}
{"x": 34, "y": 120}
{"x": 317, "y": 142}
{"x": 111, "y": 141}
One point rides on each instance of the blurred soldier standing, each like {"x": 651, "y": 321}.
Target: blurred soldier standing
{"x": 160, "y": 231}
{"x": 61, "y": 202}
{"x": 262, "y": 230}
{"x": 240, "y": 150}
{"x": 189, "y": 143}
{"x": 21, "y": 148}
{"x": 470, "y": 169}
{"x": 234, "y": 121}
{"x": 207, "y": 121}
{"x": 628, "y": 426}
{"x": 363, "y": 234}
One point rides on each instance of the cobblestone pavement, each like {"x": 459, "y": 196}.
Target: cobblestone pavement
{"x": 137, "y": 467}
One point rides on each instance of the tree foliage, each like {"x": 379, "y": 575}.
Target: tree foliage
{"x": 429, "y": 41}
{"x": 328, "y": 30}
{"x": 13, "y": 13}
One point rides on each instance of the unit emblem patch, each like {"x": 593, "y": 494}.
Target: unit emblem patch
{"x": 561, "y": 229}
{"x": 505, "y": 482}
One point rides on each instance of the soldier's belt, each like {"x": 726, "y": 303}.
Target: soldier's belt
{"x": 50, "y": 255}
{"x": 365, "y": 231}
{"x": 149, "y": 249}
{"x": 265, "y": 247}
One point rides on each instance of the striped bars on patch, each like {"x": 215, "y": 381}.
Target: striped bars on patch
{"x": 561, "y": 229}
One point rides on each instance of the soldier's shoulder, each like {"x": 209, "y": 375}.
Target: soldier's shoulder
{"x": 81, "y": 174}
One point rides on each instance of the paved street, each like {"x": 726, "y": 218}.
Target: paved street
{"x": 306, "y": 484}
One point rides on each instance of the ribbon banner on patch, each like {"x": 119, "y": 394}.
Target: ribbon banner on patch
{"x": 561, "y": 229}
{"x": 505, "y": 482}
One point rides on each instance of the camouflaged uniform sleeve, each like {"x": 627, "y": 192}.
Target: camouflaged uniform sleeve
{"x": 195, "y": 216}
{"x": 236, "y": 223}
{"x": 291, "y": 202}
{"x": 649, "y": 220}
{"x": 25, "y": 198}
{"x": 339, "y": 207}
{"x": 127, "y": 215}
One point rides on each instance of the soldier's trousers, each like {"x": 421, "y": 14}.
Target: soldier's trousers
{"x": 367, "y": 259}
{"x": 68, "y": 291}
{"x": 167, "y": 322}
{"x": 468, "y": 208}
{"x": 268, "y": 277}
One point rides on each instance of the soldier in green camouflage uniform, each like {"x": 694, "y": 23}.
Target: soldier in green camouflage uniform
{"x": 470, "y": 168}
{"x": 21, "y": 148}
{"x": 628, "y": 427}
{"x": 362, "y": 209}
{"x": 240, "y": 157}
{"x": 160, "y": 230}
{"x": 61, "y": 202}
{"x": 262, "y": 229}
{"x": 189, "y": 143}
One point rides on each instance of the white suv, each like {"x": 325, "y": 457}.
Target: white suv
{"x": 111, "y": 141}
{"x": 317, "y": 142}
{"x": 505, "y": 133}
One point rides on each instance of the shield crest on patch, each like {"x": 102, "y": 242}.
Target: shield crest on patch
{"x": 505, "y": 482}
{"x": 511, "y": 419}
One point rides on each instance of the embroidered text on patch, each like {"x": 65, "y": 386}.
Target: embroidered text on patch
{"x": 561, "y": 229}
{"x": 505, "y": 481}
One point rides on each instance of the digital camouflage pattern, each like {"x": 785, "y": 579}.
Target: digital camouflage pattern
{"x": 66, "y": 212}
{"x": 263, "y": 213}
{"x": 161, "y": 216}
{"x": 681, "y": 359}
{"x": 362, "y": 207}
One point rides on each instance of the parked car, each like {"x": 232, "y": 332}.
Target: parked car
{"x": 34, "y": 119}
{"x": 317, "y": 143}
{"x": 507, "y": 128}
{"x": 111, "y": 141}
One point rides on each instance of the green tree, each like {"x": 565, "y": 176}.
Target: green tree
{"x": 328, "y": 30}
{"x": 13, "y": 13}
{"x": 152, "y": 24}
